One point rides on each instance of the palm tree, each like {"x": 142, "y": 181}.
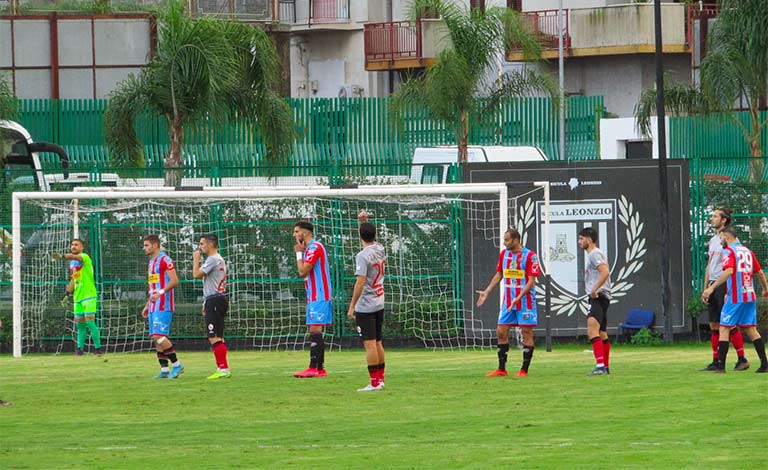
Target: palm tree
{"x": 736, "y": 65}
{"x": 479, "y": 38}
{"x": 204, "y": 68}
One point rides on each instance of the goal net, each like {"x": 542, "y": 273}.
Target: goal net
{"x": 442, "y": 243}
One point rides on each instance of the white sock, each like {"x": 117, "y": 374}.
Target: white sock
{"x": 177, "y": 363}
{"x": 163, "y": 369}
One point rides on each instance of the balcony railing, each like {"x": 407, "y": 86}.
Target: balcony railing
{"x": 543, "y": 26}
{"x": 255, "y": 10}
{"x": 391, "y": 41}
{"x": 314, "y": 11}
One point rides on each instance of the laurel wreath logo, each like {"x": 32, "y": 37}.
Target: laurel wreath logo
{"x": 564, "y": 303}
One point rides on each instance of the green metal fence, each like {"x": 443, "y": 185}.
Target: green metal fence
{"x": 720, "y": 169}
{"x": 711, "y": 136}
{"x": 356, "y": 131}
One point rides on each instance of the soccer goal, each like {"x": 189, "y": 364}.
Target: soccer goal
{"x": 438, "y": 238}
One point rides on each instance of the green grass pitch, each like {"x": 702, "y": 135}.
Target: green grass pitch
{"x": 438, "y": 411}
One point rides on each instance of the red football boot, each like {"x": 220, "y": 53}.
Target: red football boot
{"x": 522, "y": 373}
{"x": 306, "y": 374}
{"x": 322, "y": 373}
{"x": 497, "y": 373}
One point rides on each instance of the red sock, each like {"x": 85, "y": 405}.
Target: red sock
{"x": 374, "y": 374}
{"x": 220, "y": 352}
{"x": 597, "y": 349}
{"x": 738, "y": 341}
{"x": 381, "y": 373}
{"x": 606, "y": 351}
{"x": 714, "y": 338}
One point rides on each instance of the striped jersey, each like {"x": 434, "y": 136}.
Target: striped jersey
{"x": 157, "y": 278}
{"x": 516, "y": 268}
{"x": 742, "y": 260}
{"x": 318, "y": 281}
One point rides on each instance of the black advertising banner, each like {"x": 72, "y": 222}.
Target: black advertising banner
{"x": 620, "y": 199}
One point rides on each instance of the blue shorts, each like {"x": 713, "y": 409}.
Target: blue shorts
{"x": 320, "y": 313}
{"x": 518, "y": 317}
{"x": 160, "y": 323}
{"x": 741, "y": 314}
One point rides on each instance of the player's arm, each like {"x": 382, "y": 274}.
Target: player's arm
{"x": 173, "y": 280}
{"x": 764, "y": 282}
{"x": 303, "y": 266}
{"x": 727, "y": 272}
{"x": 197, "y": 273}
{"x": 72, "y": 257}
{"x": 491, "y": 285}
{"x": 601, "y": 278}
{"x": 706, "y": 272}
{"x": 357, "y": 291}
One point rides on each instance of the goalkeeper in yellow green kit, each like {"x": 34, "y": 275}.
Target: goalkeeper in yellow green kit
{"x": 83, "y": 285}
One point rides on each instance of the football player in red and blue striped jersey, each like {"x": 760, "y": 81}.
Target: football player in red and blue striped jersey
{"x": 161, "y": 279}
{"x": 517, "y": 269}
{"x": 740, "y": 266}
{"x": 312, "y": 264}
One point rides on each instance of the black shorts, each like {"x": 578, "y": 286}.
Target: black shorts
{"x": 216, "y": 308}
{"x": 369, "y": 324}
{"x": 716, "y": 302}
{"x": 598, "y": 309}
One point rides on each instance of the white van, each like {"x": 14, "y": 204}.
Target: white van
{"x": 18, "y": 150}
{"x": 431, "y": 164}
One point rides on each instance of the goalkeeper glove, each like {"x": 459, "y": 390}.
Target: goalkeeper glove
{"x": 65, "y": 300}
{"x": 57, "y": 256}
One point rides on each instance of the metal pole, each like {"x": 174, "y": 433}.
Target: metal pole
{"x": 16, "y": 241}
{"x": 547, "y": 276}
{"x": 661, "y": 134}
{"x": 561, "y": 73}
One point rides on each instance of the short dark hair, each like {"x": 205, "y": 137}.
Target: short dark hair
{"x": 79, "y": 240}
{"x": 212, "y": 238}
{"x": 367, "y": 232}
{"x": 305, "y": 225}
{"x": 725, "y": 214}
{"x": 730, "y": 230}
{"x": 514, "y": 233}
{"x": 589, "y": 232}
{"x": 153, "y": 239}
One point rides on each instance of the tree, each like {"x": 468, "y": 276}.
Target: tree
{"x": 736, "y": 65}
{"x": 204, "y": 68}
{"x": 479, "y": 38}
{"x": 9, "y": 105}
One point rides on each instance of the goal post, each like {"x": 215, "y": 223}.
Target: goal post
{"x": 413, "y": 220}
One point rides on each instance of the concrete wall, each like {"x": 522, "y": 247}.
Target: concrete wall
{"x": 319, "y": 56}
{"x": 615, "y": 133}
{"x": 625, "y": 25}
{"x": 91, "y": 62}
{"x": 620, "y": 79}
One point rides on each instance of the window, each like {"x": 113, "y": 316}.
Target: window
{"x": 515, "y": 4}
{"x": 639, "y": 149}
{"x": 432, "y": 174}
